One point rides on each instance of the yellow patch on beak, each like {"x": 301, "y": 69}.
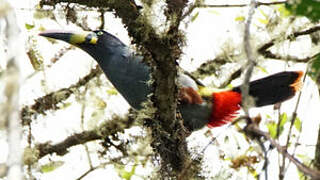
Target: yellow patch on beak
{"x": 83, "y": 37}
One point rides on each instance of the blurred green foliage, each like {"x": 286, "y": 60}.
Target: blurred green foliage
{"x": 307, "y": 8}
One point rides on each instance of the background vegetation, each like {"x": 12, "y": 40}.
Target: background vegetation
{"x": 60, "y": 117}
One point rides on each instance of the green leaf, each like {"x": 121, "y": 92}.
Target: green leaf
{"x": 262, "y": 69}
{"x": 316, "y": 64}
{"x": 314, "y": 73}
{"x": 194, "y": 17}
{"x": 283, "y": 119}
{"x": 240, "y": 18}
{"x": 298, "y": 124}
{"x": 100, "y": 103}
{"x": 263, "y": 13}
{"x": 272, "y": 127}
{"x": 268, "y": 116}
{"x": 112, "y": 91}
{"x": 29, "y": 26}
{"x": 301, "y": 175}
{"x": 304, "y": 158}
{"x": 308, "y": 8}
{"x": 126, "y": 174}
{"x": 283, "y": 11}
{"x": 263, "y": 21}
{"x": 51, "y": 166}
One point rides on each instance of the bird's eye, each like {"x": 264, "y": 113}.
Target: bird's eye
{"x": 99, "y": 33}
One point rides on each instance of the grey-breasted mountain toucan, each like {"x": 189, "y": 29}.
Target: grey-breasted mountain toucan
{"x": 199, "y": 105}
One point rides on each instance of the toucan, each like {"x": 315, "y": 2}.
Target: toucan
{"x": 199, "y": 105}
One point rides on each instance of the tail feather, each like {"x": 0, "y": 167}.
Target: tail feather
{"x": 269, "y": 90}
{"x": 275, "y": 88}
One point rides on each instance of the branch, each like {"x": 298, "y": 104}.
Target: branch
{"x": 234, "y": 75}
{"x": 198, "y": 4}
{"x": 265, "y": 156}
{"x": 239, "y": 5}
{"x": 269, "y": 54}
{"x": 251, "y": 62}
{"x": 51, "y": 100}
{"x": 61, "y": 53}
{"x": 317, "y": 152}
{"x": 254, "y": 131}
{"x": 292, "y": 121}
{"x": 263, "y": 50}
{"x": 62, "y": 147}
{"x": 102, "y": 19}
{"x": 92, "y": 169}
{"x": 12, "y": 49}
{"x": 108, "y": 128}
{"x": 210, "y": 67}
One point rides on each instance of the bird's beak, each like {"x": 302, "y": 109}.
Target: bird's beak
{"x": 74, "y": 38}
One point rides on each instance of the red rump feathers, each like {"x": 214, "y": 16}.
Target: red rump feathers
{"x": 224, "y": 107}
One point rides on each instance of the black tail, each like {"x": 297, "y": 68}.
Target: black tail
{"x": 275, "y": 88}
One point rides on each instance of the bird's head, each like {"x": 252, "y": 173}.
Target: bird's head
{"x": 93, "y": 42}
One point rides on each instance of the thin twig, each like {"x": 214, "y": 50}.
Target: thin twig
{"x": 279, "y": 120}
{"x": 253, "y": 129}
{"x": 265, "y": 156}
{"x": 60, "y": 53}
{"x": 83, "y": 109}
{"x": 91, "y": 169}
{"x": 292, "y": 121}
{"x": 232, "y": 77}
{"x": 239, "y": 5}
{"x": 29, "y": 139}
{"x": 210, "y": 67}
{"x": 294, "y": 114}
{"x": 50, "y": 101}
{"x": 198, "y": 4}
{"x": 212, "y": 140}
{"x": 317, "y": 152}
{"x": 269, "y": 54}
{"x": 108, "y": 128}
{"x": 251, "y": 61}
{"x": 281, "y": 164}
{"x": 102, "y": 18}
{"x": 264, "y": 49}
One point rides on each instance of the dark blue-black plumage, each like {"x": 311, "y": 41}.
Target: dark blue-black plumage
{"x": 129, "y": 75}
